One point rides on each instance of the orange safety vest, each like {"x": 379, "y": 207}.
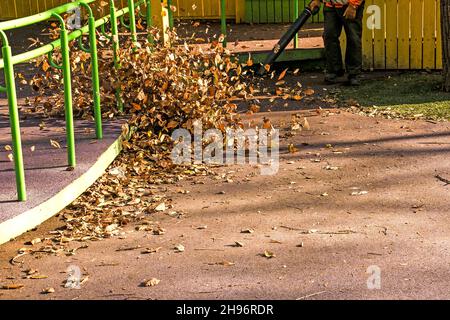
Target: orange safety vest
{"x": 341, "y": 3}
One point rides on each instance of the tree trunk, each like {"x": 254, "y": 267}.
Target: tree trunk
{"x": 445, "y": 27}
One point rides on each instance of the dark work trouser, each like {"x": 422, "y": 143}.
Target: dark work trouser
{"x": 334, "y": 21}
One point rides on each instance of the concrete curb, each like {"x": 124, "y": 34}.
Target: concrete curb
{"x": 32, "y": 218}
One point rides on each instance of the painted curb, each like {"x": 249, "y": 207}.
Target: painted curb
{"x": 34, "y": 217}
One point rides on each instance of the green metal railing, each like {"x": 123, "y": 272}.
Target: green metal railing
{"x": 9, "y": 60}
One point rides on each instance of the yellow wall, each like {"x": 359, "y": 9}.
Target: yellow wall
{"x": 409, "y": 38}
{"x": 208, "y": 9}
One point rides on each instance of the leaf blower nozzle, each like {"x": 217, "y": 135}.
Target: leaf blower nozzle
{"x": 287, "y": 37}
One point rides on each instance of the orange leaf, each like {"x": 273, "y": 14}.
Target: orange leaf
{"x": 283, "y": 74}
{"x": 136, "y": 106}
{"x": 45, "y": 66}
{"x": 309, "y": 92}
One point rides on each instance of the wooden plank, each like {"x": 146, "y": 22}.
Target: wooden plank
{"x": 438, "y": 36}
{"x": 320, "y": 17}
{"x": 192, "y": 8}
{"x": 212, "y": 8}
{"x": 43, "y": 6}
{"x": 379, "y": 44}
{"x": 181, "y": 5}
{"x": 3, "y": 12}
{"x": 176, "y": 3}
{"x": 231, "y": 9}
{"x": 34, "y": 6}
{"x": 391, "y": 34}
{"x": 367, "y": 42}
{"x": 240, "y": 10}
{"x": 278, "y": 11}
{"x": 270, "y": 11}
{"x": 17, "y": 9}
{"x": 286, "y": 11}
{"x": 263, "y": 14}
{"x": 248, "y": 11}
{"x": 156, "y": 13}
{"x": 403, "y": 34}
{"x": 255, "y": 10}
{"x": 429, "y": 35}
{"x": 208, "y": 7}
{"x": 416, "y": 27}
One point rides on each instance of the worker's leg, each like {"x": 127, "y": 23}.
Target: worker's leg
{"x": 353, "y": 55}
{"x": 333, "y": 27}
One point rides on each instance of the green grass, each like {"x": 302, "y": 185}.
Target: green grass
{"x": 409, "y": 95}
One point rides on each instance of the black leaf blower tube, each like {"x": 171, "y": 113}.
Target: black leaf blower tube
{"x": 287, "y": 37}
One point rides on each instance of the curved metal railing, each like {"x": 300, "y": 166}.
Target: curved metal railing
{"x": 9, "y": 60}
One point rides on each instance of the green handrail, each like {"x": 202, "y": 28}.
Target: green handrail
{"x": 95, "y": 72}
{"x": 70, "y": 131}
{"x": 223, "y": 20}
{"x": 8, "y": 61}
{"x": 296, "y": 14}
{"x": 14, "y": 118}
{"x": 170, "y": 14}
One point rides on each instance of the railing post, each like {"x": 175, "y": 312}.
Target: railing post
{"x": 115, "y": 44}
{"x": 95, "y": 73}
{"x": 223, "y": 19}
{"x": 132, "y": 14}
{"x": 65, "y": 52}
{"x": 296, "y": 13}
{"x": 170, "y": 13}
{"x": 14, "y": 118}
{"x": 149, "y": 20}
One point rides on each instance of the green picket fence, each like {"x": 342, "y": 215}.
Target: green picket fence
{"x": 9, "y": 60}
{"x": 276, "y": 11}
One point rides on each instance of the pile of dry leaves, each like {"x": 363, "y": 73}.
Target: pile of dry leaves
{"x": 163, "y": 88}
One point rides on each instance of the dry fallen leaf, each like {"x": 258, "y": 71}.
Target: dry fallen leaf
{"x": 151, "y": 250}
{"x": 305, "y": 124}
{"x": 238, "y": 244}
{"x": 308, "y": 92}
{"x": 37, "y": 277}
{"x": 359, "y": 193}
{"x": 249, "y": 61}
{"x": 161, "y": 207}
{"x": 179, "y": 248}
{"x": 48, "y": 290}
{"x": 226, "y": 263}
{"x": 13, "y": 286}
{"x": 292, "y": 148}
{"x": 268, "y": 254}
{"x": 55, "y": 144}
{"x": 283, "y": 74}
{"x": 150, "y": 283}
{"x": 34, "y": 241}
{"x": 275, "y": 241}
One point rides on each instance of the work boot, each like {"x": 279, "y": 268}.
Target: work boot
{"x": 331, "y": 78}
{"x": 353, "y": 80}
